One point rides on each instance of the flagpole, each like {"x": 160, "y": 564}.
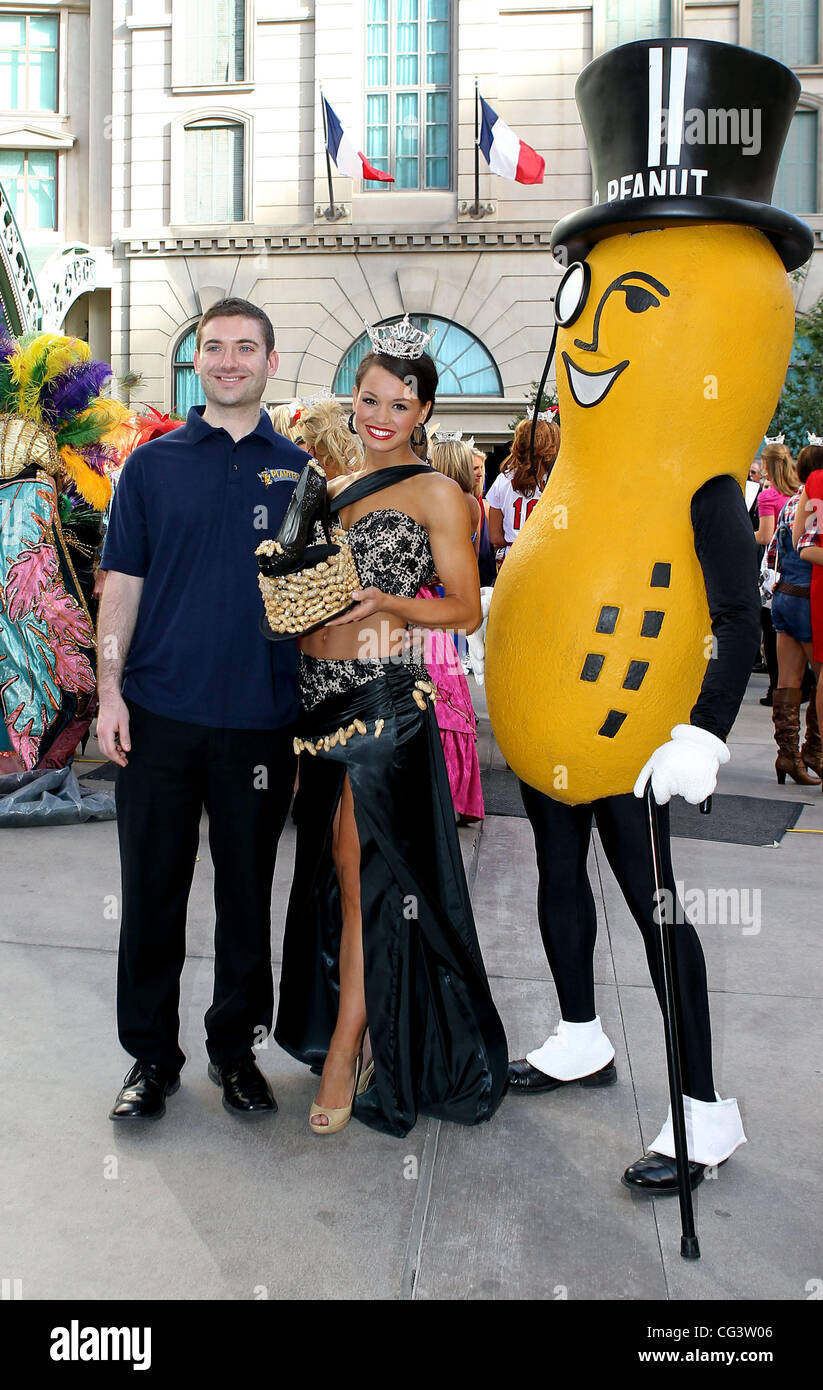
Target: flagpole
{"x": 476, "y": 148}
{"x": 331, "y": 210}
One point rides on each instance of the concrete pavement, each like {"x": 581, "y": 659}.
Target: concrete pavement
{"x": 202, "y": 1206}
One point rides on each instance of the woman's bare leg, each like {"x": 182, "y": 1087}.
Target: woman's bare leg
{"x": 338, "y": 1072}
{"x": 791, "y": 660}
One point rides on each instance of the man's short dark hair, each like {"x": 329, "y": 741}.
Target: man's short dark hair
{"x": 230, "y": 308}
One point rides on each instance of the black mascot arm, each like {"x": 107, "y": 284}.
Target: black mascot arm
{"x": 726, "y": 549}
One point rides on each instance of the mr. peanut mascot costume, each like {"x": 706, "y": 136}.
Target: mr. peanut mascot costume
{"x": 626, "y": 617}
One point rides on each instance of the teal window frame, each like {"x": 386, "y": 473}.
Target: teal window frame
{"x": 451, "y": 346}
{"x": 192, "y": 180}
{"x": 19, "y": 188}
{"x": 227, "y": 64}
{"x": 796, "y": 185}
{"x": 183, "y": 372}
{"x": 27, "y": 66}
{"x": 409, "y": 107}
{"x": 627, "y": 20}
{"x": 787, "y": 30}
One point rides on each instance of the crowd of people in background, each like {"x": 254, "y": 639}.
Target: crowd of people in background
{"x": 786, "y": 529}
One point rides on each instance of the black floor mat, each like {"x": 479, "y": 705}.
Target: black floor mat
{"x": 104, "y": 772}
{"x": 740, "y": 820}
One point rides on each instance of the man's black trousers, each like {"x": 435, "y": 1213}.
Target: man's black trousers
{"x": 244, "y": 779}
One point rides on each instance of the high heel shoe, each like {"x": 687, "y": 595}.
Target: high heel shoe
{"x": 338, "y": 1116}
{"x": 786, "y": 718}
{"x": 309, "y": 502}
{"x": 366, "y": 1077}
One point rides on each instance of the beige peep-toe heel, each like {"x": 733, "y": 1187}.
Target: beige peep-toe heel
{"x": 339, "y": 1116}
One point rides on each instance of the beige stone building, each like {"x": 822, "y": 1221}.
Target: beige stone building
{"x": 55, "y": 166}
{"x": 187, "y": 147}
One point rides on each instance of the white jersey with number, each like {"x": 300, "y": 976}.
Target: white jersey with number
{"x": 515, "y": 507}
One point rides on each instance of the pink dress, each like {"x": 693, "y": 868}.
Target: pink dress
{"x": 455, "y": 719}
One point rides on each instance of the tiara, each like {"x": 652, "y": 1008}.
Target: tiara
{"x": 451, "y": 437}
{"x": 814, "y": 438}
{"x": 324, "y": 394}
{"x": 778, "y": 439}
{"x": 399, "y": 339}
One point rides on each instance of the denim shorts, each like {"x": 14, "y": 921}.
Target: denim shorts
{"x": 792, "y": 615}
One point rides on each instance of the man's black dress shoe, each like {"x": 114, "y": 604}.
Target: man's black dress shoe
{"x": 655, "y": 1175}
{"x": 526, "y": 1080}
{"x": 246, "y": 1092}
{"x": 143, "y": 1093}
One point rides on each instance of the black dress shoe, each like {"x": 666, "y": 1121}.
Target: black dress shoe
{"x": 143, "y": 1093}
{"x": 655, "y": 1175}
{"x": 526, "y": 1080}
{"x": 246, "y": 1092}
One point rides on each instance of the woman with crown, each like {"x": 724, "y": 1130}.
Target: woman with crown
{"x": 383, "y": 988}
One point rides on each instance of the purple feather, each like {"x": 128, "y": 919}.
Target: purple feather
{"x": 70, "y": 392}
{"x": 7, "y": 346}
{"x": 97, "y": 456}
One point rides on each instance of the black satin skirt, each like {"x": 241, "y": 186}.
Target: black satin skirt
{"x": 438, "y": 1042}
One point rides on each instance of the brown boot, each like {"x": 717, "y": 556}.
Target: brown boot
{"x": 812, "y": 750}
{"x": 786, "y": 718}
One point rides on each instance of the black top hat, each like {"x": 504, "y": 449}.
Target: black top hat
{"x": 684, "y": 130}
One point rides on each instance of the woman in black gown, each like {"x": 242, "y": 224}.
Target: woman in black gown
{"x": 383, "y": 988}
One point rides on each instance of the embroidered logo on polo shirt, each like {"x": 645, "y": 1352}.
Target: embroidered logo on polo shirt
{"x": 278, "y": 475}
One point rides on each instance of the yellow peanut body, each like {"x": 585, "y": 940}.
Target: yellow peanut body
{"x": 576, "y": 710}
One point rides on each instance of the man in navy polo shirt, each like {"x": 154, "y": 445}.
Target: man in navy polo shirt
{"x": 196, "y": 708}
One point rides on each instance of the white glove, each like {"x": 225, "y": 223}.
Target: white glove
{"x": 686, "y": 767}
{"x": 477, "y": 640}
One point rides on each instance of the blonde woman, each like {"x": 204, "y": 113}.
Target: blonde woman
{"x": 781, "y": 482}
{"x": 454, "y": 458}
{"x": 282, "y": 417}
{"x": 328, "y": 439}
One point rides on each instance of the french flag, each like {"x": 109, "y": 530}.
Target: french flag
{"x": 505, "y": 153}
{"x": 345, "y": 154}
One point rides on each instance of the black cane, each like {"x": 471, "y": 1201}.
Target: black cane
{"x": 689, "y": 1245}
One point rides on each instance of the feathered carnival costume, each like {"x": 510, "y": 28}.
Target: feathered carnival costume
{"x": 59, "y": 439}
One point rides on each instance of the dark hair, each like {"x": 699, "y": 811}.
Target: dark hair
{"x": 418, "y": 373}
{"x": 233, "y": 308}
{"x": 809, "y": 458}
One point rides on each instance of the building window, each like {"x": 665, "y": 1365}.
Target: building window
{"x": 627, "y": 20}
{"x": 186, "y": 388}
{"x": 214, "y": 160}
{"x": 408, "y": 96}
{"x": 786, "y": 29}
{"x": 30, "y": 180}
{"x": 28, "y": 62}
{"x": 464, "y": 365}
{"x": 795, "y": 187}
{"x": 212, "y": 43}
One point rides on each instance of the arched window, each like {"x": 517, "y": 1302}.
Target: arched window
{"x": 465, "y": 366}
{"x": 187, "y": 390}
{"x": 213, "y": 159}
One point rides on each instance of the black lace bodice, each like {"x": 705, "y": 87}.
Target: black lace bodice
{"x": 391, "y": 551}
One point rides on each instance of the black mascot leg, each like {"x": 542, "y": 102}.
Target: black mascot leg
{"x": 565, "y": 903}
{"x": 621, "y": 824}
